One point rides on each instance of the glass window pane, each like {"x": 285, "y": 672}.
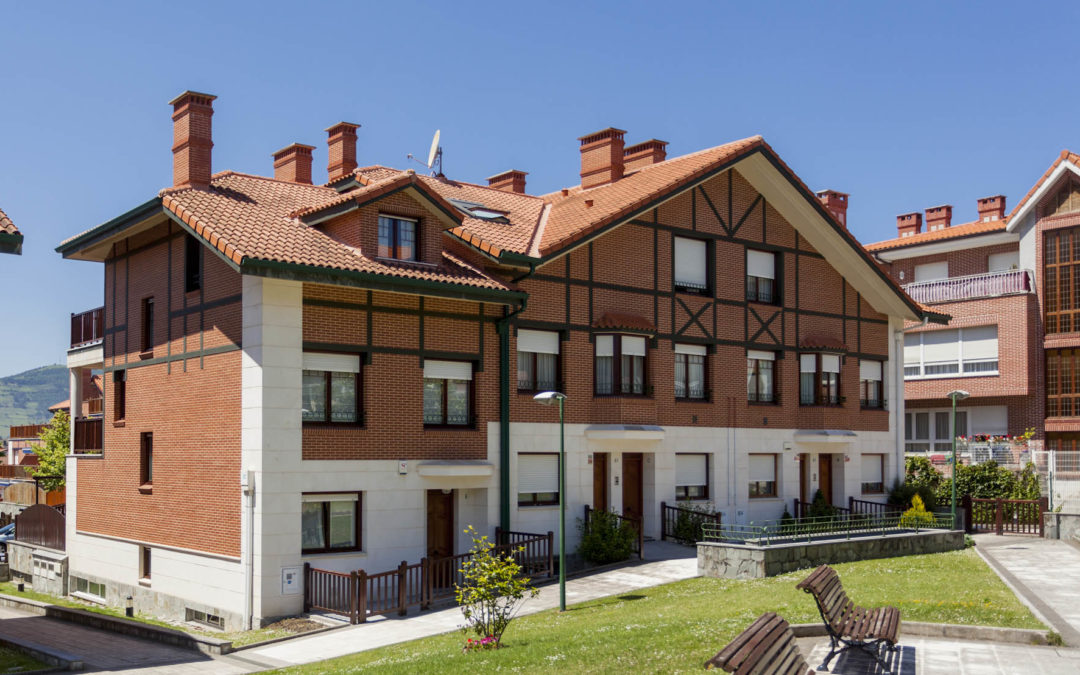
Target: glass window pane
{"x": 696, "y": 375}
{"x": 922, "y": 425}
{"x": 765, "y": 290}
{"x": 526, "y": 377}
{"x": 433, "y": 401}
{"x": 765, "y": 381}
{"x": 311, "y": 526}
{"x": 545, "y": 372}
{"x": 961, "y": 424}
{"x": 342, "y": 397}
{"x": 639, "y": 374}
{"x": 941, "y": 425}
{"x": 314, "y": 408}
{"x": 806, "y": 388}
{"x": 457, "y": 402}
{"x": 386, "y": 237}
{"x": 604, "y": 375}
{"x": 406, "y": 239}
{"x": 680, "y": 375}
{"x": 342, "y": 524}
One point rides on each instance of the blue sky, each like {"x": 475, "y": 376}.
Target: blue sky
{"x": 904, "y": 106}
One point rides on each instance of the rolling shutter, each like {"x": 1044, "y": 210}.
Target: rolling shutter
{"x": 871, "y": 469}
{"x": 808, "y": 363}
{"x": 605, "y": 345}
{"x": 538, "y": 473}
{"x": 538, "y": 341}
{"x": 447, "y": 370}
{"x": 336, "y": 363}
{"x": 941, "y": 346}
{"x": 633, "y": 345}
{"x": 761, "y": 264}
{"x": 691, "y": 470}
{"x": 764, "y": 356}
{"x": 870, "y": 370}
{"x": 830, "y": 363}
{"x": 912, "y": 349}
{"x": 980, "y": 342}
{"x": 696, "y": 350}
{"x": 690, "y": 267}
{"x": 762, "y": 468}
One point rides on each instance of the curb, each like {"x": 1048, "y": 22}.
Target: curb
{"x": 1021, "y": 636}
{"x": 59, "y": 660}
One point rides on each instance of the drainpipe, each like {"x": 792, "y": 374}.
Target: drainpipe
{"x": 502, "y": 327}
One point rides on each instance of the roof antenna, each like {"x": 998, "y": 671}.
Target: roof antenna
{"x": 434, "y": 160}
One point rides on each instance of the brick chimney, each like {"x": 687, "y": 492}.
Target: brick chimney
{"x": 602, "y": 157}
{"x": 835, "y": 203}
{"x": 991, "y": 208}
{"x": 652, "y": 151}
{"x": 293, "y": 163}
{"x": 908, "y": 224}
{"x": 938, "y": 217}
{"x": 509, "y": 181}
{"x": 192, "y": 139}
{"x": 341, "y": 143}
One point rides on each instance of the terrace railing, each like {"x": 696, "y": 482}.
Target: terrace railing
{"x": 1001, "y": 516}
{"x": 89, "y": 435}
{"x": 802, "y": 509}
{"x": 987, "y": 285}
{"x": 684, "y": 524}
{"x": 87, "y": 327}
{"x": 874, "y": 508}
{"x": 639, "y": 541}
{"x": 845, "y": 526}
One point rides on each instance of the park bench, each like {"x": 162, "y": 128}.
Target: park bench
{"x": 848, "y": 624}
{"x": 767, "y": 647}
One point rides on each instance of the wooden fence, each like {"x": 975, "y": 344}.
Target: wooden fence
{"x": 675, "y": 521}
{"x": 1001, "y": 516}
{"x": 13, "y": 471}
{"x": 359, "y": 595}
{"x": 41, "y": 525}
{"x": 639, "y": 541}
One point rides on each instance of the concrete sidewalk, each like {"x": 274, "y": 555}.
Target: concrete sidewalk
{"x": 665, "y": 563}
{"x": 1044, "y": 573}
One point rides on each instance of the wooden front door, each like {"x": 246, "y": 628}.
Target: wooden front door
{"x": 440, "y": 524}
{"x": 600, "y": 481}
{"x": 631, "y": 487}
{"x": 825, "y": 473}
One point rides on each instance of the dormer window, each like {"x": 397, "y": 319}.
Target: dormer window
{"x": 397, "y": 238}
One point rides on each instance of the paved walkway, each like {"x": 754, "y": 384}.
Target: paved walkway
{"x": 1044, "y": 573}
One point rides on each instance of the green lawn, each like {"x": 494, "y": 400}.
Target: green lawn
{"x": 12, "y": 661}
{"x": 678, "y": 626}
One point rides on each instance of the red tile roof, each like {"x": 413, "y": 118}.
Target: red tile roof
{"x": 1065, "y": 156}
{"x": 822, "y": 342}
{"x": 624, "y": 321}
{"x": 956, "y": 231}
{"x": 6, "y": 226}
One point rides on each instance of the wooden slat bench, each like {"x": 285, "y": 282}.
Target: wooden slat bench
{"x": 767, "y": 647}
{"x": 850, "y": 626}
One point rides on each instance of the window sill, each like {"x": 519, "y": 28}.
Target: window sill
{"x": 909, "y": 378}
{"x": 144, "y": 582}
{"x": 449, "y": 427}
{"x": 119, "y": 424}
{"x": 144, "y": 355}
{"x": 89, "y": 598}
{"x": 538, "y": 507}
{"x": 332, "y": 425}
{"x": 643, "y": 396}
{"x": 769, "y": 303}
{"x": 771, "y": 404}
{"x": 335, "y": 552}
{"x": 687, "y": 399}
{"x": 403, "y": 261}
{"x": 699, "y": 292}
{"x": 765, "y": 498}
{"x": 821, "y": 405}
{"x": 146, "y": 488}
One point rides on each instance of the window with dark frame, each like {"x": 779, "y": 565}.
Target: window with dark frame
{"x": 691, "y": 476}
{"x": 871, "y": 387}
{"x": 146, "y": 458}
{"x": 119, "y": 394}
{"x": 690, "y": 371}
{"x": 448, "y": 392}
{"x": 762, "y": 475}
{"x": 331, "y": 389}
{"x": 873, "y": 474}
{"x": 397, "y": 238}
{"x": 691, "y": 265}
{"x": 192, "y": 264}
{"x": 537, "y": 360}
{"x": 330, "y": 523}
{"x": 819, "y": 379}
{"x": 538, "y": 478}
{"x": 761, "y": 276}
{"x": 760, "y": 376}
{"x": 147, "y": 324}
{"x": 144, "y": 562}
{"x": 620, "y": 365}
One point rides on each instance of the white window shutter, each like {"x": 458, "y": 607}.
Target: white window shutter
{"x": 830, "y": 363}
{"x": 337, "y": 363}
{"x": 761, "y": 264}
{"x": 808, "y": 363}
{"x": 1001, "y": 262}
{"x": 762, "y": 356}
{"x": 538, "y": 341}
{"x": 871, "y": 469}
{"x": 447, "y": 370}
{"x": 932, "y": 271}
{"x": 690, "y": 267}
{"x": 696, "y": 350}
{"x": 762, "y": 468}
{"x": 980, "y": 342}
{"x": 912, "y": 349}
{"x": 633, "y": 345}
{"x": 941, "y": 346}
{"x": 691, "y": 470}
{"x": 538, "y": 473}
{"x": 870, "y": 370}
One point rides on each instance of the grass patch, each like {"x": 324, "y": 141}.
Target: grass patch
{"x": 12, "y": 661}
{"x": 676, "y": 627}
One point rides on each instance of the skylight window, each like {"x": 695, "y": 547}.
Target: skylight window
{"x": 477, "y": 210}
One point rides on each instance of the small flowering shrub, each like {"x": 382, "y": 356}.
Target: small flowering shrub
{"x": 491, "y": 592}
{"x": 917, "y": 515}
{"x": 472, "y": 645}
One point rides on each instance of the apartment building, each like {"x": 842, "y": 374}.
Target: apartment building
{"x": 343, "y": 374}
{"x": 10, "y": 238}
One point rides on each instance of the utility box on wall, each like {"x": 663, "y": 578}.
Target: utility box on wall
{"x": 291, "y": 581}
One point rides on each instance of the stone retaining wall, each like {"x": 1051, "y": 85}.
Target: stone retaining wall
{"x": 745, "y": 561}
{"x": 1064, "y": 526}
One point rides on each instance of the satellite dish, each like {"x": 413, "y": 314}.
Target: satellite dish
{"x": 434, "y": 152}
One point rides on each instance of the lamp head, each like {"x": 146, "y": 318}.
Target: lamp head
{"x": 958, "y": 395}
{"x": 549, "y": 397}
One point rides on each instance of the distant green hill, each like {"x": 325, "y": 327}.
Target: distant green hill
{"x": 25, "y": 398}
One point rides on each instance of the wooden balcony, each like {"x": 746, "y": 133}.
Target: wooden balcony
{"x": 89, "y": 435}
{"x": 26, "y": 431}
{"x": 972, "y": 287}
{"x": 88, "y": 328}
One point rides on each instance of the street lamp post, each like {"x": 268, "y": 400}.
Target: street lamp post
{"x": 549, "y": 398}
{"x": 954, "y": 396}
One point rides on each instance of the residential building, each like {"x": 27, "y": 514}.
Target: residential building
{"x": 10, "y": 238}
{"x": 343, "y": 374}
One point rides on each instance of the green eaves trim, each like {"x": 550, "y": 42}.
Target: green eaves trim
{"x": 377, "y": 282}
{"x": 137, "y": 214}
{"x": 11, "y": 243}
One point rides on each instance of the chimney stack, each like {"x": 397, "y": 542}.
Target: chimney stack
{"x": 601, "y": 157}
{"x": 908, "y": 224}
{"x": 509, "y": 181}
{"x": 643, "y": 154}
{"x": 192, "y": 139}
{"x": 938, "y": 217}
{"x": 341, "y": 143}
{"x": 835, "y": 203}
{"x": 992, "y": 208}
{"x": 293, "y": 163}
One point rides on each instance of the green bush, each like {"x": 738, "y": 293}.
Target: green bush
{"x": 689, "y": 523}
{"x": 493, "y": 587}
{"x": 917, "y": 515}
{"x": 819, "y": 508}
{"x": 606, "y": 538}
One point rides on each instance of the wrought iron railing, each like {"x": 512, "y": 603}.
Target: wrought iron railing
{"x": 840, "y": 526}
{"x": 987, "y": 285}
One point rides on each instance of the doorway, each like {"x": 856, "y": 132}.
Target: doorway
{"x": 632, "y": 493}
{"x": 825, "y": 474}
{"x": 804, "y": 469}
{"x": 600, "y": 481}
{"x": 440, "y": 523}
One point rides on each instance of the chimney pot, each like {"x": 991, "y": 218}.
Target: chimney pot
{"x": 991, "y": 208}
{"x": 565, "y": 191}
{"x": 192, "y": 139}
{"x": 602, "y": 157}
{"x": 652, "y": 151}
{"x": 341, "y": 144}
{"x": 509, "y": 181}
{"x": 908, "y": 224}
{"x": 293, "y": 164}
{"x": 938, "y": 217}
{"x": 835, "y": 203}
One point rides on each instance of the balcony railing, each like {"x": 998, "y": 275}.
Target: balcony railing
{"x": 989, "y": 285}
{"x": 26, "y": 430}
{"x": 88, "y": 327}
{"x": 88, "y": 435}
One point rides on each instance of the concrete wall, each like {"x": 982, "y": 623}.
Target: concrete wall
{"x": 1065, "y": 526}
